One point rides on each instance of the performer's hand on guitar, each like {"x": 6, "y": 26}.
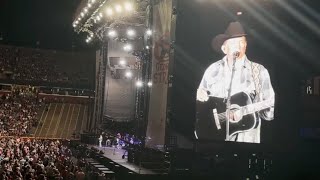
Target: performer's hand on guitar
{"x": 202, "y": 95}
{"x": 235, "y": 116}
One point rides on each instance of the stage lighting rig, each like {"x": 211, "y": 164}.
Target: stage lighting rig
{"x": 98, "y": 16}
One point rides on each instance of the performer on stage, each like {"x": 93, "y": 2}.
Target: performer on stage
{"x": 251, "y": 78}
{"x": 100, "y": 140}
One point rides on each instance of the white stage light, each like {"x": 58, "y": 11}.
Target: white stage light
{"x": 149, "y": 83}
{"x": 89, "y": 5}
{"x": 128, "y": 6}
{"x": 149, "y": 32}
{"x": 128, "y": 74}
{"x": 85, "y": 10}
{"x": 131, "y": 32}
{"x": 74, "y": 25}
{"x": 118, "y": 8}
{"x": 109, "y": 12}
{"x": 82, "y": 14}
{"x": 122, "y": 62}
{"x": 127, "y": 47}
{"x": 147, "y": 47}
{"x": 139, "y": 83}
{"x": 112, "y": 33}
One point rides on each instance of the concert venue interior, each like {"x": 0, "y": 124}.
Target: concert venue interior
{"x": 159, "y": 89}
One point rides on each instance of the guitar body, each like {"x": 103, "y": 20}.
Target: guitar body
{"x": 208, "y": 126}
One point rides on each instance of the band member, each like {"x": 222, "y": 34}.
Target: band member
{"x": 251, "y": 78}
{"x": 100, "y": 141}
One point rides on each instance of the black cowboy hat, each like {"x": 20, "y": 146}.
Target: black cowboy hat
{"x": 234, "y": 30}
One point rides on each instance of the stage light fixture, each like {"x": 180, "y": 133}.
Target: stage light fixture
{"x": 100, "y": 14}
{"x": 118, "y": 8}
{"x": 112, "y": 33}
{"x": 128, "y": 74}
{"x": 131, "y": 32}
{"x": 89, "y": 5}
{"x": 74, "y": 25}
{"x": 122, "y": 62}
{"x": 149, "y": 32}
{"x": 91, "y": 35}
{"x": 109, "y": 12}
{"x": 82, "y": 14}
{"x": 127, "y": 47}
{"x": 93, "y": 1}
{"x": 147, "y": 47}
{"x": 149, "y": 83}
{"x": 98, "y": 18}
{"x": 85, "y": 10}
{"x": 128, "y": 6}
{"x": 139, "y": 83}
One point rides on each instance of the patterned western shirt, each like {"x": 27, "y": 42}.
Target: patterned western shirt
{"x": 216, "y": 82}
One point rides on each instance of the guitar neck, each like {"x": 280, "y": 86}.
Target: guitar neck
{"x": 252, "y": 108}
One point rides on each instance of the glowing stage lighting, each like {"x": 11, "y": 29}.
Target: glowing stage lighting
{"x": 109, "y": 12}
{"x": 127, "y": 47}
{"x": 85, "y": 10}
{"x": 128, "y": 6}
{"x": 128, "y": 74}
{"x": 122, "y": 62}
{"x": 118, "y": 8}
{"x": 100, "y": 14}
{"x": 147, "y": 47}
{"x": 89, "y": 5}
{"x": 82, "y": 14}
{"x": 131, "y": 32}
{"x": 74, "y": 25}
{"x": 149, "y": 32}
{"x": 112, "y": 33}
{"x": 139, "y": 83}
{"x": 149, "y": 83}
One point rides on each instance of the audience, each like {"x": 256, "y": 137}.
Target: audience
{"x": 31, "y": 65}
{"x": 36, "y": 159}
{"x": 18, "y": 111}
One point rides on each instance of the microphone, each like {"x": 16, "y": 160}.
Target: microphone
{"x": 236, "y": 54}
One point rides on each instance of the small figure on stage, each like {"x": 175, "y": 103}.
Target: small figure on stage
{"x": 100, "y": 141}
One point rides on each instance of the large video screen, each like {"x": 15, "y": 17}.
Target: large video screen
{"x": 224, "y": 75}
{"x": 238, "y": 68}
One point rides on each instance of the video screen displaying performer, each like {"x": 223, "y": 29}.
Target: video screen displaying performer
{"x": 235, "y": 93}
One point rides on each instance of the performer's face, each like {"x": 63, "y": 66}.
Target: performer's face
{"x": 235, "y": 44}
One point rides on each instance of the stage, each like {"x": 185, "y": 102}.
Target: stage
{"x": 115, "y": 155}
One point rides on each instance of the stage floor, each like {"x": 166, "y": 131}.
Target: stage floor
{"x": 115, "y": 155}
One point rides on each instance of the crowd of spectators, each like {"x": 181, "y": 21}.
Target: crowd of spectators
{"x": 18, "y": 111}
{"x": 37, "y": 159}
{"x": 36, "y": 67}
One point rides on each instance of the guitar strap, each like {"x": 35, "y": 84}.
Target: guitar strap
{"x": 256, "y": 69}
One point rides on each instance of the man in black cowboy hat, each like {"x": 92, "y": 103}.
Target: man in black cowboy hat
{"x": 248, "y": 77}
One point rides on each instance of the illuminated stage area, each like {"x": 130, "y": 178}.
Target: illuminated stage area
{"x": 116, "y": 155}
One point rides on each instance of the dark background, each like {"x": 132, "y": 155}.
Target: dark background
{"x": 48, "y": 22}
{"x": 283, "y": 36}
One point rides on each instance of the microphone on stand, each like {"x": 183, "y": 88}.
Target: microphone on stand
{"x": 236, "y": 54}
